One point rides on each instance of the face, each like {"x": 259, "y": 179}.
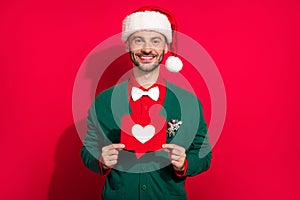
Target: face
{"x": 147, "y": 49}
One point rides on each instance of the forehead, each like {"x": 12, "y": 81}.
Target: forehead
{"x": 147, "y": 34}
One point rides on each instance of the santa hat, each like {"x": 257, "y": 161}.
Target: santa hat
{"x": 159, "y": 20}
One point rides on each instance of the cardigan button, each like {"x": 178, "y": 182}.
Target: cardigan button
{"x": 144, "y": 187}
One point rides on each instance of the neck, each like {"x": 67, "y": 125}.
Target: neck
{"x": 145, "y": 79}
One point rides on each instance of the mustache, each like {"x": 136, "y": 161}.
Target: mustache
{"x": 145, "y": 54}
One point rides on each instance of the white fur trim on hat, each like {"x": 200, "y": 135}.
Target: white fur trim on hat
{"x": 147, "y": 20}
{"x": 173, "y": 64}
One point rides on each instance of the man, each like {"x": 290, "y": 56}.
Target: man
{"x": 147, "y": 135}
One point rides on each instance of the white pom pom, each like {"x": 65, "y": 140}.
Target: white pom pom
{"x": 173, "y": 64}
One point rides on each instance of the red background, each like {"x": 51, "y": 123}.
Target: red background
{"x": 255, "y": 45}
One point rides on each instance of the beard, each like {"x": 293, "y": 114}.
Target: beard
{"x": 140, "y": 65}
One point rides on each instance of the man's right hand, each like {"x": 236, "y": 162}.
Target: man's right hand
{"x": 110, "y": 154}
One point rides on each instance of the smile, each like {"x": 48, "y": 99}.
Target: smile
{"x": 146, "y": 58}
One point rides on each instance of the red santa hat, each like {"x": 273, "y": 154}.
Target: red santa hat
{"x": 159, "y": 20}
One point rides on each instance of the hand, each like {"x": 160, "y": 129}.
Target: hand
{"x": 110, "y": 154}
{"x": 176, "y": 155}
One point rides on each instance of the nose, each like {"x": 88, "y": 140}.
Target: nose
{"x": 147, "y": 48}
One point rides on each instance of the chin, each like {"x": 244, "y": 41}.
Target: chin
{"x": 148, "y": 67}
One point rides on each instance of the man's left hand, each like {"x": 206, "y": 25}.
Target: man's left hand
{"x": 176, "y": 155}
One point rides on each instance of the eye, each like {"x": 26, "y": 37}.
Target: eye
{"x": 156, "y": 41}
{"x": 137, "y": 41}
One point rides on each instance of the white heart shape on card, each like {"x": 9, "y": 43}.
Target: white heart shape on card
{"x": 143, "y": 134}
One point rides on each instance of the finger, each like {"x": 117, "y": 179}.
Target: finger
{"x": 167, "y": 150}
{"x": 175, "y": 157}
{"x": 113, "y": 146}
{"x": 173, "y": 147}
{"x": 177, "y": 164}
{"x": 113, "y": 157}
{"x": 117, "y": 146}
{"x": 111, "y": 163}
{"x": 178, "y": 152}
{"x": 112, "y": 152}
{"x": 107, "y": 154}
{"x": 169, "y": 146}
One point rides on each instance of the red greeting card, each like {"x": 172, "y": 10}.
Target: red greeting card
{"x": 143, "y": 137}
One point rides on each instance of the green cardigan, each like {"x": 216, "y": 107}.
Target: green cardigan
{"x": 152, "y": 176}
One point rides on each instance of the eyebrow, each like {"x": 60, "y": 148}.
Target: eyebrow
{"x": 134, "y": 37}
{"x": 140, "y": 37}
{"x": 156, "y": 38}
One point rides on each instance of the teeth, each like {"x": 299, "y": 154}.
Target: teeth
{"x": 146, "y": 57}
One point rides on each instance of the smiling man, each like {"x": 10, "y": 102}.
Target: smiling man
{"x": 147, "y": 135}
{"x": 147, "y": 49}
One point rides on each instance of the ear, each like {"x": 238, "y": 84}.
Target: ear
{"x": 127, "y": 46}
{"x": 166, "y": 48}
